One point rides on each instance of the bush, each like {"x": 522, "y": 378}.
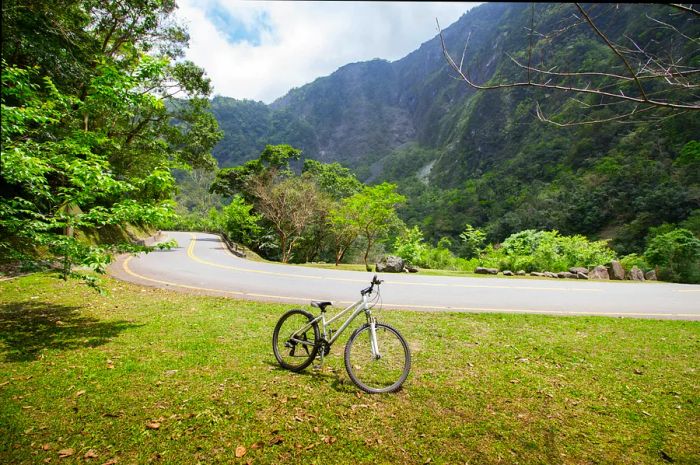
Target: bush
{"x": 677, "y": 254}
{"x": 532, "y": 250}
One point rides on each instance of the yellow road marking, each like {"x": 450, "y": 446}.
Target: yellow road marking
{"x": 129, "y": 271}
{"x": 190, "y": 253}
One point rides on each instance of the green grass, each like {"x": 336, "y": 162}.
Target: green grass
{"x": 89, "y": 373}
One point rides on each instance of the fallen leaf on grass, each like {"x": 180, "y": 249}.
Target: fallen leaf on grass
{"x": 65, "y": 453}
{"x": 276, "y": 440}
{"x": 152, "y": 425}
{"x": 80, "y": 393}
{"x": 240, "y": 451}
{"x": 637, "y": 371}
{"x": 256, "y": 445}
{"x": 110, "y": 462}
{"x": 46, "y": 446}
{"x": 329, "y": 439}
{"x": 91, "y": 454}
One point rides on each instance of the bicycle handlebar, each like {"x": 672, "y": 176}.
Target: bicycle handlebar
{"x": 368, "y": 290}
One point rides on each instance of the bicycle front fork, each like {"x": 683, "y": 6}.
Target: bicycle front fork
{"x": 373, "y": 338}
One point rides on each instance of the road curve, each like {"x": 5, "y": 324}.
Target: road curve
{"x": 203, "y": 264}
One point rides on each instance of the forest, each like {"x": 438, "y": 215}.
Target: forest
{"x": 104, "y": 124}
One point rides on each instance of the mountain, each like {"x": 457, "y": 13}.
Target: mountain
{"x": 484, "y": 158}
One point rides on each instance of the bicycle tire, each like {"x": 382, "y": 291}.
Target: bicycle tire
{"x": 285, "y": 350}
{"x": 372, "y": 375}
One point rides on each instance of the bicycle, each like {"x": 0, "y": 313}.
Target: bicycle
{"x": 377, "y": 357}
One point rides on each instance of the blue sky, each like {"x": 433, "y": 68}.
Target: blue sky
{"x": 260, "y": 50}
{"x": 235, "y": 30}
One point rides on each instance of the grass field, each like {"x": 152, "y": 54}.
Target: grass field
{"x": 147, "y": 375}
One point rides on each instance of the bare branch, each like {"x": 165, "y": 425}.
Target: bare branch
{"x": 667, "y": 73}
{"x": 685, "y": 8}
{"x": 614, "y": 49}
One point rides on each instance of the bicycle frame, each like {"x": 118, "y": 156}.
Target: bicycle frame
{"x": 357, "y": 308}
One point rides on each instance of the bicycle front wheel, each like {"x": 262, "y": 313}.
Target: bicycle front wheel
{"x": 383, "y": 372}
{"x": 295, "y": 340}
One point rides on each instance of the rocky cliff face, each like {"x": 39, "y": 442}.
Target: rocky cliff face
{"x": 363, "y": 111}
{"x": 484, "y": 158}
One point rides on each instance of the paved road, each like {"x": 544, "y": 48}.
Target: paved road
{"x": 203, "y": 264}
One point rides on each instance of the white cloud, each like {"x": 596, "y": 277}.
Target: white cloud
{"x": 306, "y": 40}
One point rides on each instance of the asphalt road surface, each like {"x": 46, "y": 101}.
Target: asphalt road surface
{"x": 203, "y": 264}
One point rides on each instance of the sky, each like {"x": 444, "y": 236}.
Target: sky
{"x": 260, "y": 50}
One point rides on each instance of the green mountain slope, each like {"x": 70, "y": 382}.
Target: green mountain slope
{"x": 484, "y": 158}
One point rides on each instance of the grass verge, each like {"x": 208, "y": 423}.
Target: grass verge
{"x": 147, "y": 375}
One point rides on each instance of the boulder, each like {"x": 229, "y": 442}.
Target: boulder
{"x": 535, "y": 273}
{"x": 521, "y": 273}
{"x": 578, "y": 269}
{"x": 599, "y": 272}
{"x": 508, "y": 273}
{"x": 616, "y": 271}
{"x": 566, "y": 275}
{"x": 650, "y": 275}
{"x": 549, "y": 274}
{"x": 580, "y": 275}
{"x": 390, "y": 264}
{"x": 636, "y": 274}
{"x": 482, "y": 270}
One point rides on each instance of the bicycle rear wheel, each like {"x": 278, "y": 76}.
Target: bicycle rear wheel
{"x": 385, "y": 373}
{"x": 294, "y": 349}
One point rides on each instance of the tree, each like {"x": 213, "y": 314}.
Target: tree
{"x": 648, "y": 75}
{"x": 288, "y": 206}
{"x": 238, "y": 221}
{"x": 472, "y": 241}
{"x": 677, "y": 254}
{"x": 272, "y": 162}
{"x": 370, "y": 213}
{"x": 333, "y": 178}
{"x": 90, "y": 127}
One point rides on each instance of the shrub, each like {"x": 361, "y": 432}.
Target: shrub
{"x": 677, "y": 254}
{"x": 532, "y": 250}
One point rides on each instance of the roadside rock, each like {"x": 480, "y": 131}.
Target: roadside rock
{"x": 508, "y": 273}
{"x": 566, "y": 275}
{"x": 580, "y": 275}
{"x": 535, "y": 273}
{"x": 411, "y": 268}
{"x": 549, "y": 274}
{"x": 636, "y": 274}
{"x": 599, "y": 272}
{"x": 650, "y": 275}
{"x": 390, "y": 264}
{"x": 482, "y": 270}
{"x": 521, "y": 273}
{"x": 578, "y": 269}
{"x": 616, "y": 271}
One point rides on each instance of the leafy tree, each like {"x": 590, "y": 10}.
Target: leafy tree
{"x": 371, "y": 213}
{"x": 272, "y": 162}
{"x": 677, "y": 254}
{"x": 239, "y": 223}
{"x": 90, "y": 127}
{"x": 472, "y": 241}
{"x": 332, "y": 178}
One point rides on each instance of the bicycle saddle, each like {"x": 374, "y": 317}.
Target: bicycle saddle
{"x": 321, "y": 305}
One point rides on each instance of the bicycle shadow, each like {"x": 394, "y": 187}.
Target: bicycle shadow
{"x": 28, "y": 328}
{"x": 337, "y": 379}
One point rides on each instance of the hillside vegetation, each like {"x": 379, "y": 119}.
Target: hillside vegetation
{"x": 483, "y": 158}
